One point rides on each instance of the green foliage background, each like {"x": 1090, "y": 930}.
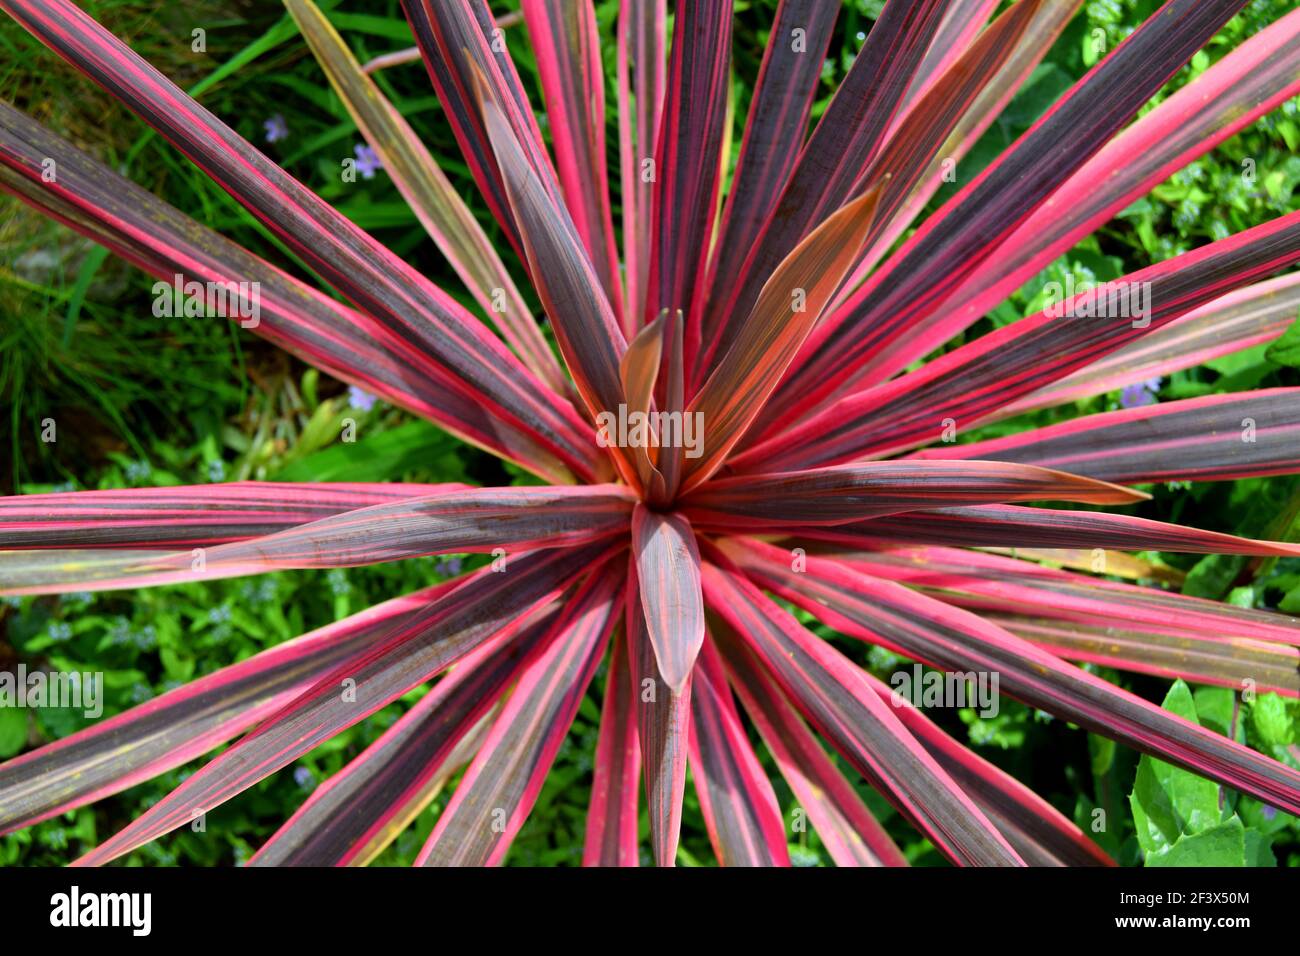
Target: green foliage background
{"x": 143, "y": 401}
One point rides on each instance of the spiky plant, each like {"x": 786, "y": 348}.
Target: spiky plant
{"x": 779, "y": 319}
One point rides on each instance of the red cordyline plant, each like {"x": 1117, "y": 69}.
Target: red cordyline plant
{"x": 785, "y": 319}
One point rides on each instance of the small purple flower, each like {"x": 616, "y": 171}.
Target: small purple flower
{"x": 303, "y": 777}
{"x": 449, "y": 566}
{"x": 367, "y": 161}
{"x": 276, "y": 128}
{"x": 360, "y": 399}
{"x": 1267, "y": 812}
{"x": 1139, "y": 393}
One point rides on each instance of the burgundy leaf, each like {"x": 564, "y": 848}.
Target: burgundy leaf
{"x": 187, "y": 722}
{"x": 504, "y": 779}
{"x": 611, "y": 838}
{"x": 403, "y": 655}
{"x": 740, "y": 809}
{"x": 955, "y": 640}
{"x": 836, "y": 699}
{"x": 663, "y": 718}
{"x": 568, "y": 62}
{"x": 851, "y": 835}
{"x": 351, "y": 817}
{"x": 1214, "y": 438}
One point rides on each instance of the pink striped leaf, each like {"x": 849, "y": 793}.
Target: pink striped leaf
{"x": 851, "y": 835}
{"x": 969, "y": 384}
{"x": 504, "y": 779}
{"x": 740, "y": 809}
{"x": 990, "y": 582}
{"x": 1012, "y": 526}
{"x": 835, "y": 698}
{"x": 432, "y": 198}
{"x": 1213, "y": 438}
{"x": 1252, "y": 316}
{"x": 830, "y": 169}
{"x": 187, "y": 722}
{"x": 1038, "y": 832}
{"x": 462, "y": 46}
{"x": 567, "y": 47}
{"x": 641, "y": 83}
{"x": 156, "y": 237}
{"x": 774, "y": 133}
{"x": 663, "y": 717}
{"x": 452, "y": 522}
{"x": 915, "y": 144}
{"x": 612, "y": 815}
{"x": 955, "y": 640}
{"x": 1237, "y": 663}
{"x": 668, "y": 575}
{"x": 405, "y": 654}
{"x": 687, "y": 162}
{"x": 962, "y": 22}
{"x": 670, "y": 462}
{"x": 585, "y": 326}
{"x": 417, "y": 318}
{"x": 351, "y": 817}
{"x": 185, "y": 515}
{"x": 1250, "y": 81}
{"x": 951, "y": 245}
{"x": 1115, "y": 564}
{"x": 1031, "y": 44}
{"x": 845, "y": 493}
{"x": 791, "y": 302}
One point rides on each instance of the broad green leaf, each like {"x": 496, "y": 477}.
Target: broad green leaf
{"x": 384, "y": 456}
{"x": 13, "y": 731}
{"x": 1259, "y": 849}
{"x": 1270, "y": 720}
{"x": 1168, "y": 801}
{"x": 1286, "y": 350}
{"x": 1222, "y": 845}
{"x": 1178, "y": 815}
{"x": 1217, "y": 708}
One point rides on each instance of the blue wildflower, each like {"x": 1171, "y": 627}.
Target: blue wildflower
{"x": 360, "y": 399}
{"x": 1139, "y": 393}
{"x": 276, "y": 128}
{"x": 367, "y": 161}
